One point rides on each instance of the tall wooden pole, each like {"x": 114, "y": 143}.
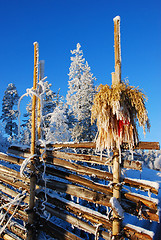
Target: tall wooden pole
{"x": 30, "y": 235}
{"x": 116, "y": 79}
{"x": 116, "y": 76}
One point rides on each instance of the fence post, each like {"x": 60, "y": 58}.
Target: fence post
{"x": 116, "y": 79}
{"x": 116, "y": 191}
{"x": 116, "y": 76}
{"x": 31, "y": 214}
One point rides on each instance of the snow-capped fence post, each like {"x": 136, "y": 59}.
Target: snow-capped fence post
{"x": 32, "y": 148}
{"x": 116, "y": 79}
{"x": 116, "y": 76}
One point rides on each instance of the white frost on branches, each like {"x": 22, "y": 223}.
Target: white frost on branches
{"x": 80, "y": 96}
{"x": 58, "y": 127}
{"x": 9, "y": 113}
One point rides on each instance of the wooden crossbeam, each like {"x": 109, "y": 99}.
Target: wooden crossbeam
{"x": 84, "y": 193}
{"x": 79, "y": 169}
{"x": 53, "y": 157}
{"x": 57, "y": 231}
{"x": 12, "y": 193}
{"x": 93, "y": 216}
{"x": 148, "y": 145}
{"x": 83, "y": 212}
{"x": 104, "y": 199}
{"x": 103, "y": 175}
{"x": 92, "y": 145}
{"x": 140, "y": 145}
{"x": 77, "y": 222}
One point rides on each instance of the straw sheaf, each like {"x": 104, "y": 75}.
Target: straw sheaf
{"x": 114, "y": 104}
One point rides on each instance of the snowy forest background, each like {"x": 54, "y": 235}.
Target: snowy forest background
{"x": 63, "y": 119}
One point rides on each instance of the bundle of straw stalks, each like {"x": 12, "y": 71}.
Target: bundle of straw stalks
{"x": 118, "y": 110}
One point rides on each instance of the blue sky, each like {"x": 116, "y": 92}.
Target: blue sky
{"x": 58, "y": 25}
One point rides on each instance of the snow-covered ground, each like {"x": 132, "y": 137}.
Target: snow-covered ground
{"x": 150, "y": 175}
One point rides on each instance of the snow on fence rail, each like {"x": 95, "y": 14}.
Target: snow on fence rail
{"x": 72, "y": 180}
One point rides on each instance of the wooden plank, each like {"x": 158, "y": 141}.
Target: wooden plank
{"x": 137, "y": 198}
{"x": 8, "y": 235}
{"x": 20, "y": 213}
{"x": 77, "y": 222}
{"x": 134, "y": 209}
{"x": 60, "y": 233}
{"x": 100, "y": 198}
{"x": 137, "y": 165}
{"x": 94, "y": 196}
{"x": 56, "y": 231}
{"x": 93, "y": 159}
{"x": 17, "y": 229}
{"x": 11, "y": 172}
{"x": 12, "y": 193}
{"x": 73, "y": 145}
{"x": 11, "y": 159}
{"x": 134, "y": 234}
{"x": 140, "y": 185}
{"x": 92, "y": 145}
{"x": 5, "y": 236}
{"x": 141, "y": 145}
{"x": 81, "y": 170}
{"x": 148, "y": 145}
{"x": 79, "y": 180}
{"x": 99, "y": 174}
{"x": 12, "y": 181}
{"x": 77, "y": 157}
{"x": 80, "y": 192}
{"x": 76, "y": 209}
{"x": 75, "y": 167}
{"x": 94, "y": 218}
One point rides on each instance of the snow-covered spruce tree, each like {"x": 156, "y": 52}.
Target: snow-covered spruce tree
{"x": 58, "y": 128}
{"x": 80, "y": 97}
{"x": 4, "y": 143}
{"x": 9, "y": 113}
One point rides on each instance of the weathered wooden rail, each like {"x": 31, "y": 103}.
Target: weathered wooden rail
{"x": 70, "y": 175}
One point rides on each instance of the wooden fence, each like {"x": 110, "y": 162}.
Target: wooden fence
{"x": 76, "y": 188}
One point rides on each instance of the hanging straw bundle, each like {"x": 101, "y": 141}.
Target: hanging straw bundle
{"x": 117, "y": 110}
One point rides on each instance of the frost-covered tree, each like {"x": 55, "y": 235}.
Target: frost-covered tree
{"x": 80, "y": 97}
{"x": 25, "y": 134}
{"x": 4, "y": 143}
{"x": 9, "y": 113}
{"x": 58, "y": 128}
{"x": 49, "y": 100}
